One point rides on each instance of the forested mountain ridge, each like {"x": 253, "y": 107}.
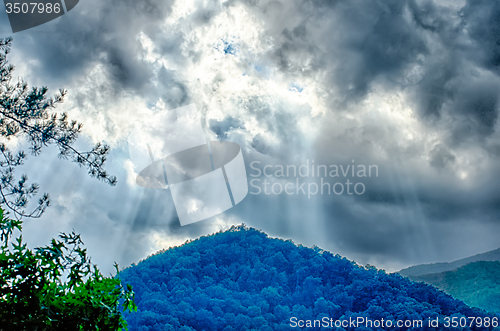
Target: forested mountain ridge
{"x": 477, "y": 284}
{"x": 241, "y": 279}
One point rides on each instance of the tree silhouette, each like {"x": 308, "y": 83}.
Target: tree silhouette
{"x": 26, "y": 112}
{"x": 55, "y": 287}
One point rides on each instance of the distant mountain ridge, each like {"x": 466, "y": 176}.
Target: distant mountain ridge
{"x": 434, "y": 268}
{"x": 242, "y": 280}
{"x": 477, "y": 284}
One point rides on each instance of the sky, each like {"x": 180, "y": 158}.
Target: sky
{"x": 408, "y": 86}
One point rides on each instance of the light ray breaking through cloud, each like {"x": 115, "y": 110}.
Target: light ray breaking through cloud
{"x": 411, "y": 86}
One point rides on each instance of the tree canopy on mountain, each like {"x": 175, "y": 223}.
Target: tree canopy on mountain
{"x": 241, "y": 279}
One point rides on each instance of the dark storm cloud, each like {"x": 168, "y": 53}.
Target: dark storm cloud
{"x": 445, "y": 59}
{"x": 365, "y": 44}
{"x": 476, "y": 108}
{"x": 481, "y": 19}
{"x": 379, "y": 42}
{"x": 441, "y": 157}
{"x": 356, "y": 44}
{"x": 105, "y": 33}
{"x": 454, "y": 86}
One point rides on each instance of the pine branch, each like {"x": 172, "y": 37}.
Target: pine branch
{"x": 99, "y": 150}
{"x": 25, "y": 111}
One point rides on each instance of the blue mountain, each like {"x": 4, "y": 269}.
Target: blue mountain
{"x": 434, "y": 268}
{"x": 241, "y": 279}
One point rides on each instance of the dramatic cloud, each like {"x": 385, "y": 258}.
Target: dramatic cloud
{"x": 408, "y": 86}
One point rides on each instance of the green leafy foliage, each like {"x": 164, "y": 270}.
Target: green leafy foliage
{"x": 56, "y": 287}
